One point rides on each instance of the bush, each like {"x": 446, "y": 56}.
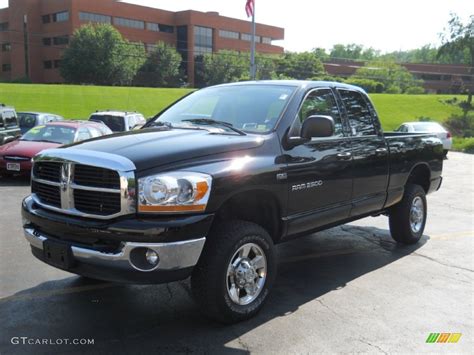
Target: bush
{"x": 460, "y": 125}
{"x": 415, "y": 90}
{"x": 463, "y": 144}
{"x": 369, "y": 85}
{"x": 393, "y": 89}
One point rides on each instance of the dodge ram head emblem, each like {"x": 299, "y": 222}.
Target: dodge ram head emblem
{"x": 65, "y": 176}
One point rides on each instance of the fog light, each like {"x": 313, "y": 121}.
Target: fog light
{"x": 152, "y": 257}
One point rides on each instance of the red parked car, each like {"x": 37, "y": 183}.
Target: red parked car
{"x": 15, "y": 157}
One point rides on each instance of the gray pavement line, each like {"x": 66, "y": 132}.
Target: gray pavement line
{"x": 56, "y": 292}
{"x": 453, "y": 235}
{"x": 440, "y": 262}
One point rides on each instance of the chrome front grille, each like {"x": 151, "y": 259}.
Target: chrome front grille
{"x": 83, "y": 186}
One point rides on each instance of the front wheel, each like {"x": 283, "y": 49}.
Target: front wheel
{"x": 407, "y": 219}
{"x": 235, "y": 272}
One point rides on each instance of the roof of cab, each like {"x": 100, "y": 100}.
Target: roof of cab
{"x": 296, "y": 83}
{"x": 115, "y": 113}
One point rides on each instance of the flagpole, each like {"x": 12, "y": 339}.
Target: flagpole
{"x": 253, "y": 68}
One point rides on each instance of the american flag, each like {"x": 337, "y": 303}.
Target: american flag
{"x": 249, "y": 7}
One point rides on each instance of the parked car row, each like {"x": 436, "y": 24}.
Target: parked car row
{"x": 25, "y": 134}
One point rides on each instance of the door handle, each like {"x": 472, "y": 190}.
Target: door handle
{"x": 381, "y": 150}
{"x": 346, "y": 155}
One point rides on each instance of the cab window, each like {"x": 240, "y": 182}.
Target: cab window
{"x": 359, "y": 114}
{"x": 322, "y": 102}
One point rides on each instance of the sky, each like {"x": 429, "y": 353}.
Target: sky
{"x": 381, "y": 24}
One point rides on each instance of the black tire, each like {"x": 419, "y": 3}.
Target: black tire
{"x": 445, "y": 153}
{"x": 400, "y": 216}
{"x": 209, "y": 279}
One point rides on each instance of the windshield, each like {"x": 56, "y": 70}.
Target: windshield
{"x": 250, "y": 108}
{"x": 115, "y": 123}
{"x": 27, "y": 120}
{"x": 428, "y": 127}
{"x": 53, "y": 134}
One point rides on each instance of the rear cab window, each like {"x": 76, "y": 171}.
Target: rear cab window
{"x": 115, "y": 123}
{"x": 360, "y": 113}
{"x": 9, "y": 119}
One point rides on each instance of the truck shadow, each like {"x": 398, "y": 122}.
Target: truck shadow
{"x": 163, "y": 318}
{"x": 16, "y": 180}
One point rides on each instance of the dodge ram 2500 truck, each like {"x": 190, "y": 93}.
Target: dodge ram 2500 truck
{"x": 212, "y": 183}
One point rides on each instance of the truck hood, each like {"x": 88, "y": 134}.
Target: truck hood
{"x": 151, "y": 148}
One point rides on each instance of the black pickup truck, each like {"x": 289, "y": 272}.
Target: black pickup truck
{"x": 212, "y": 183}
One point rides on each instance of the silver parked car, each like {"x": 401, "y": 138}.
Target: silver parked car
{"x": 429, "y": 127}
{"x": 28, "y": 120}
{"x": 119, "y": 121}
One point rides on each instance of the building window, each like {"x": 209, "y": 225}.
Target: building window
{"x": 61, "y": 40}
{"x": 91, "y": 17}
{"x": 248, "y": 37}
{"x": 57, "y": 63}
{"x": 3, "y": 26}
{"x": 202, "y": 40}
{"x": 46, "y": 18}
{"x": 6, "y": 47}
{"x": 158, "y": 27}
{"x": 266, "y": 40}
{"x": 47, "y": 64}
{"x": 61, "y": 16}
{"x": 125, "y": 22}
{"x": 6, "y": 67}
{"x": 228, "y": 34}
{"x": 46, "y": 41}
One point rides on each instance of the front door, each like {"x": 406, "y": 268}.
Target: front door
{"x": 320, "y": 171}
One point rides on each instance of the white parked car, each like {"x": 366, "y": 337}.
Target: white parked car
{"x": 119, "y": 121}
{"x": 429, "y": 127}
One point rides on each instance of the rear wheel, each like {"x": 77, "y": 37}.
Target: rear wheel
{"x": 235, "y": 272}
{"x": 407, "y": 219}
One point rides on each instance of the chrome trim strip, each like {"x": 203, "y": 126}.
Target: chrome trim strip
{"x": 46, "y": 182}
{"x": 173, "y": 256}
{"x": 87, "y": 157}
{"x": 92, "y": 188}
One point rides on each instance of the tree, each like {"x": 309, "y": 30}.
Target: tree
{"x": 353, "y": 51}
{"x": 229, "y": 66}
{"x": 99, "y": 55}
{"x": 300, "y": 66}
{"x": 161, "y": 68}
{"x": 394, "y": 77}
{"x": 459, "y": 37}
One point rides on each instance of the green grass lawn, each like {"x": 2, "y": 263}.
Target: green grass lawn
{"x": 73, "y": 101}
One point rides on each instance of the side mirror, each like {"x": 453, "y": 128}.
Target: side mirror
{"x": 10, "y": 139}
{"x": 317, "y": 126}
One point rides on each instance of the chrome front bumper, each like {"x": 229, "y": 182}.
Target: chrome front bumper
{"x": 172, "y": 256}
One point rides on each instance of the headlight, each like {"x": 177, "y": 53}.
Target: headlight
{"x": 175, "y": 192}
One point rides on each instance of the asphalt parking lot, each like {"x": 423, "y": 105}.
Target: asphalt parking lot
{"x": 350, "y": 289}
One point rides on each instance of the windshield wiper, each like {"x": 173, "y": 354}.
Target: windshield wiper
{"x": 209, "y": 121}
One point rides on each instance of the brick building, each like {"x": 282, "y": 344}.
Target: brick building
{"x": 437, "y": 78}
{"x": 34, "y": 33}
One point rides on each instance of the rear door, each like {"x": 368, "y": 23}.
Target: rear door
{"x": 320, "y": 171}
{"x": 369, "y": 151}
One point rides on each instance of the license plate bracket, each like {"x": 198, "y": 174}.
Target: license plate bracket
{"x": 58, "y": 254}
{"x": 13, "y": 166}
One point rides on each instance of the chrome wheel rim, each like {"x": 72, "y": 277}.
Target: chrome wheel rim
{"x": 416, "y": 214}
{"x": 246, "y": 274}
